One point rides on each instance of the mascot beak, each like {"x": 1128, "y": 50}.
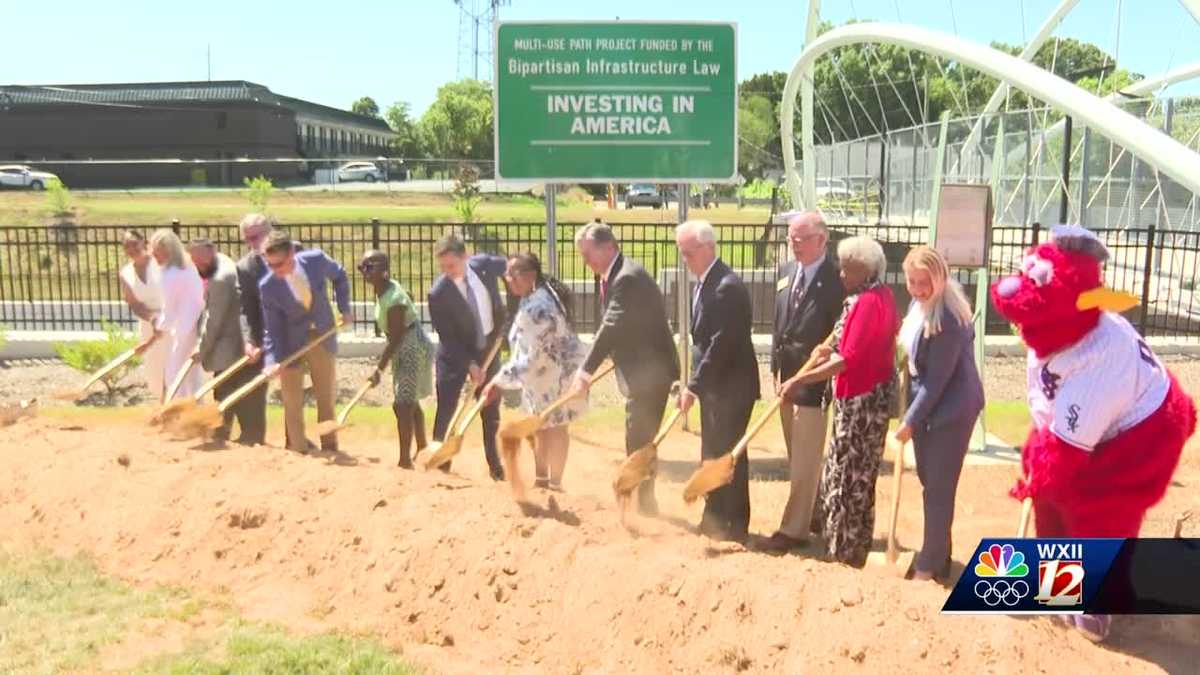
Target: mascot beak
{"x": 1105, "y": 299}
{"x": 1008, "y": 287}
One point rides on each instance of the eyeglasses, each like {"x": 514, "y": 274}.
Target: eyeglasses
{"x": 254, "y": 237}
{"x": 802, "y": 239}
{"x": 369, "y": 266}
{"x": 276, "y": 265}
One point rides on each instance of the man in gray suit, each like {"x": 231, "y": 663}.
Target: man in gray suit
{"x": 635, "y": 333}
{"x": 251, "y": 268}
{"x": 223, "y": 338}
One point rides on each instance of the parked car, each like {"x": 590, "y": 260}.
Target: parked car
{"x": 833, "y": 189}
{"x": 645, "y": 194}
{"x": 359, "y": 171}
{"x": 15, "y": 176}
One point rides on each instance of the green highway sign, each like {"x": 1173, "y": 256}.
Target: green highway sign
{"x": 616, "y": 101}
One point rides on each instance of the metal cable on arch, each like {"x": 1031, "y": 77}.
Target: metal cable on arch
{"x": 1147, "y": 143}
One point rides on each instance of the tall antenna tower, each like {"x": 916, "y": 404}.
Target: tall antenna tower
{"x": 475, "y": 49}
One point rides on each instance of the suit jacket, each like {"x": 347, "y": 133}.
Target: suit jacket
{"x": 946, "y": 387}
{"x": 221, "y": 337}
{"x": 724, "y": 365}
{"x": 634, "y": 330}
{"x": 251, "y": 269}
{"x": 285, "y": 321}
{"x": 797, "y": 332}
{"x": 452, "y": 316}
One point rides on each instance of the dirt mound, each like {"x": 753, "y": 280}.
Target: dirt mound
{"x": 452, "y": 571}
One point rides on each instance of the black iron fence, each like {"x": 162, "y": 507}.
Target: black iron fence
{"x": 65, "y": 278}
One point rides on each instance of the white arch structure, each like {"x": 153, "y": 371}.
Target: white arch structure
{"x": 1148, "y": 144}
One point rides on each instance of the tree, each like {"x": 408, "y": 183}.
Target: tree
{"x": 758, "y": 136}
{"x": 459, "y": 123}
{"x": 408, "y": 138}
{"x": 365, "y": 106}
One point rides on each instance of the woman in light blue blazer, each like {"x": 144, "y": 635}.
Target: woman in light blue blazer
{"x": 945, "y": 396}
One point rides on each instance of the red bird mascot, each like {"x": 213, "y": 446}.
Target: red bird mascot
{"x": 1109, "y": 420}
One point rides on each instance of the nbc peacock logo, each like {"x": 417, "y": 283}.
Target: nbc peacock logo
{"x": 1001, "y": 569}
{"x": 1001, "y": 561}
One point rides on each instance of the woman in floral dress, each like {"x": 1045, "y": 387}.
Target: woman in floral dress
{"x": 545, "y": 355}
{"x": 408, "y": 352}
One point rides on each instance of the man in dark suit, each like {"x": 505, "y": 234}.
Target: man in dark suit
{"x": 808, "y": 302}
{"x": 724, "y": 375}
{"x": 468, "y": 315}
{"x": 296, "y": 310}
{"x": 223, "y": 337}
{"x": 251, "y": 268}
{"x": 634, "y": 332}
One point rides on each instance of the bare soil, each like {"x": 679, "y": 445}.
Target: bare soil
{"x": 449, "y": 569}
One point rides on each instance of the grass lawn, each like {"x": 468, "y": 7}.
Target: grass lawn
{"x": 63, "y": 614}
{"x": 227, "y": 207}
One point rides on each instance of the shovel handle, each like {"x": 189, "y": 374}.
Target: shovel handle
{"x": 464, "y": 397}
{"x": 566, "y": 398}
{"x": 893, "y": 548}
{"x": 111, "y": 366}
{"x": 262, "y": 377}
{"x": 178, "y": 381}
{"x": 1026, "y": 510}
{"x": 470, "y": 416}
{"x": 222, "y": 378}
{"x": 666, "y": 428}
{"x": 740, "y": 448}
{"x": 362, "y": 391}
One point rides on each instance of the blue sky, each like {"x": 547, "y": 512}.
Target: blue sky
{"x": 334, "y": 52}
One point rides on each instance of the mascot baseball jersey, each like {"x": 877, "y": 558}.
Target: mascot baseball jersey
{"x": 1098, "y": 387}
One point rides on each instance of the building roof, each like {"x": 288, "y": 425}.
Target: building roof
{"x": 161, "y": 94}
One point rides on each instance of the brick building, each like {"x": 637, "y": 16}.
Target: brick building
{"x": 222, "y": 120}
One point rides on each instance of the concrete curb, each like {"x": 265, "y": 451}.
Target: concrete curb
{"x": 40, "y": 344}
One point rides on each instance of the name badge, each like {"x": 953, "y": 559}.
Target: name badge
{"x": 782, "y": 284}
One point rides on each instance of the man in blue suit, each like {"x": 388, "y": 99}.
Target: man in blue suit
{"x": 468, "y": 315}
{"x": 295, "y": 307}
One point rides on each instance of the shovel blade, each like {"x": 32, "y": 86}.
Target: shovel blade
{"x": 898, "y": 567}
{"x": 444, "y": 452}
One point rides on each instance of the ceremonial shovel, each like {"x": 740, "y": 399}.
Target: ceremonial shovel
{"x": 714, "y": 473}
{"x": 450, "y": 446}
{"x": 203, "y": 419}
{"x": 173, "y": 409}
{"x": 107, "y": 369}
{"x": 893, "y": 559}
{"x": 640, "y": 465}
{"x": 512, "y": 433}
{"x": 330, "y": 426}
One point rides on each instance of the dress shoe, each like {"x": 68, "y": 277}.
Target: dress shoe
{"x": 780, "y": 543}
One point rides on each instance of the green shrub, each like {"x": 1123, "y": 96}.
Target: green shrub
{"x": 466, "y": 193}
{"x": 89, "y": 355}
{"x": 259, "y": 192}
{"x": 3, "y": 336}
{"x": 58, "y": 197}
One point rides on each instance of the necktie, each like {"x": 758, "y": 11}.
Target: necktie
{"x": 300, "y": 287}
{"x": 603, "y": 290}
{"x": 474, "y": 304}
{"x": 797, "y": 291}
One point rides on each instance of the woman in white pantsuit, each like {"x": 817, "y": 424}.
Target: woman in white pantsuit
{"x": 182, "y": 307}
{"x": 141, "y": 287}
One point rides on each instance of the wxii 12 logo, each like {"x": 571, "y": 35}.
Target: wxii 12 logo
{"x": 1001, "y": 570}
{"x": 1060, "y": 575}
